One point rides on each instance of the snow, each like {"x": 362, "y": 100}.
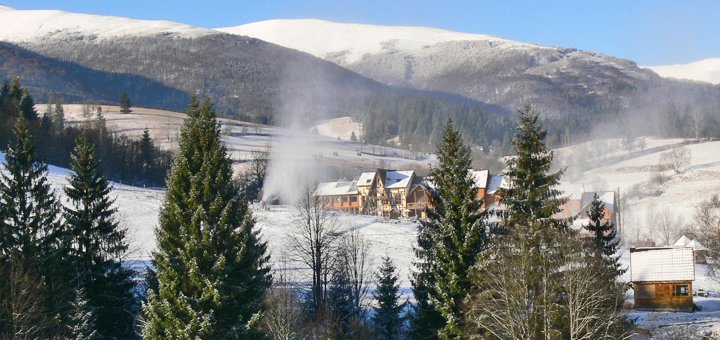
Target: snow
{"x": 347, "y": 43}
{"x": 398, "y": 179}
{"x": 35, "y": 25}
{"x": 682, "y": 242}
{"x": 480, "y": 177}
{"x": 673, "y": 264}
{"x": 366, "y": 179}
{"x": 336, "y": 188}
{"x": 707, "y": 70}
{"x": 340, "y": 128}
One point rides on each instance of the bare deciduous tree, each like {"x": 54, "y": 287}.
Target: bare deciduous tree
{"x": 24, "y": 314}
{"x": 355, "y": 251}
{"x": 283, "y": 315}
{"x": 314, "y": 241}
{"x": 676, "y": 159}
{"x": 665, "y": 224}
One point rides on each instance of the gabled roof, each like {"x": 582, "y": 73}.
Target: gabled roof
{"x": 480, "y": 177}
{"x": 662, "y": 264}
{"x": 398, "y": 179}
{"x": 496, "y": 183}
{"x": 366, "y": 179}
{"x": 682, "y": 242}
{"x": 695, "y": 245}
{"x": 336, "y": 188}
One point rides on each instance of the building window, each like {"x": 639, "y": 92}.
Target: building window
{"x": 345, "y": 199}
{"x": 353, "y": 199}
{"x": 681, "y": 290}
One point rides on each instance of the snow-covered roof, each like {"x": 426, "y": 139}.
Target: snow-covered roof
{"x": 682, "y": 242}
{"x": 695, "y": 245}
{"x": 480, "y": 177}
{"x": 398, "y": 179}
{"x": 662, "y": 264}
{"x": 496, "y": 183}
{"x": 366, "y": 179}
{"x": 336, "y": 188}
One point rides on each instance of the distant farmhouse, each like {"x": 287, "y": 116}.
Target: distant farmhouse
{"x": 662, "y": 278}
{"x": 579, "y": 208}
{"x": 396, "y": 193}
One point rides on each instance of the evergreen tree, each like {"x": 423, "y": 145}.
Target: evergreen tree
{"x": 340, "y": 302}
{"x": 125, "y": 103}
{"x": 147, "y": 150}
{"x": 211, "y": 265}
{"x": 533, "y": 192}
{"x": 353, "y": 137}
{"x": 425, "y": 320}
{"x": 81, "y": 319}
{"x": 27, "y": 106}
{"x": 30, "y": 229}
{"x": 459, "y": 229}
{"x": 387, "y": 319}
{"x": 98, "y": 244}
{"x": 604, "y": 236}
{"x": 58, "y": 118}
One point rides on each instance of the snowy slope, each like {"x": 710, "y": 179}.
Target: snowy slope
{"x": 35, "y": 25}
{"x": 707, "y": 70}
{"x": 347, "y": 43}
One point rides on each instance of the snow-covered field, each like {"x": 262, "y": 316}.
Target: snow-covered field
{"x": 242, "y": 138}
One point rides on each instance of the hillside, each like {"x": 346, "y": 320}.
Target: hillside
{"x": 707, "y": 70}
{"x": 645, "y": 188}
{"x": 49, "y": 78}
{"x": 557, "y": 81}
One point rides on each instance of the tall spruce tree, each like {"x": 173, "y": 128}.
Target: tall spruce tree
{"x": 81, "y": 323}
{"x": 211, "y": 265}
{"x": 387, "y": 318}
{"x": 455, "y": 233}
{"x": 604, "y": 236}
{"x": 531, "y": 239}
{"x": 532, "y": 192}
{"x": 125, "y": 103}
{"x": 30, "y": 228}
{"x": 27, "y": 106}
{"x": 98, "y": 244}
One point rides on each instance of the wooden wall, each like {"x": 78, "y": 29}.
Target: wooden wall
{"x": 661, "y": 295}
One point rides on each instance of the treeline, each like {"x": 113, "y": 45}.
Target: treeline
{"x": 135, "y": 162}
{"x": 418, "y": 121}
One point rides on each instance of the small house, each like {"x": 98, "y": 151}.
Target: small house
{"x": 340, "y": 195}
{"x": 662, "y": 278}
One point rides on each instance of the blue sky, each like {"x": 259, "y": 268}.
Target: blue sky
{"x": 648, "y": 32}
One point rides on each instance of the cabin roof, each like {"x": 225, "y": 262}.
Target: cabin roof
{"x": 480, "y": 177}
{"x": 496, "y": 183}
{"x": 398, "y": 179}
{"x": 366, "y": 179}
{"x": 607, "y": 197}
{"x": 336, "y": 188}
{"x": 662, "y": 264}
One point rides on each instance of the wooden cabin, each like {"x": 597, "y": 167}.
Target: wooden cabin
{"x": 341, "y": 195}
{"x": 662, "y": 278}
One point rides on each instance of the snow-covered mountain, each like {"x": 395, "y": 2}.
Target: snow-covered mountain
{"x": 36, "y": 25}
{"x": 347, "y": 44}
{"x": 556, "y": 80}
{"x": 707, "y": 70}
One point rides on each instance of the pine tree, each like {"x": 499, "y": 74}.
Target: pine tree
{"x": 604, "y": 236}
{"x": 81, "y": 320}
{"x": 125, "y": 106}
{"x": 459, "y": 229}
{"x": 211, "y": 265}
{"x": 533, "y": 192}
{"x": 27, "y": 106}
{"x": 147, "y": 150}
{"x": 98, "y": 244}
{"x": 58, "y": 118}
{"x": 30, "y": 229}
{"x": 387, "y": 319}
{"x": 531, "y": 240}
{"x": 340, "y": 302}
